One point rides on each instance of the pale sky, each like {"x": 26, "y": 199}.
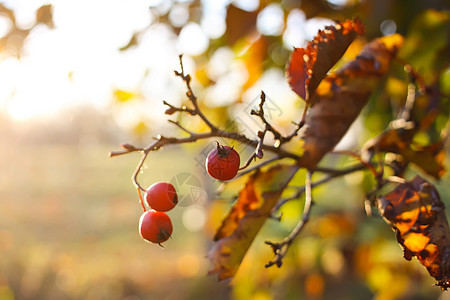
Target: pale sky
{"x": 84, "y": 43}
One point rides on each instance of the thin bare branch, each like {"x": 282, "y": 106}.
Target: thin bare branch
{"x": 258, "y": 153}
{"x": 280, "y": 249}
{"x": 299, "y": 126}
{"x": 213, "y": 132}
{"x": 260, "y": 114}
{"x": 191, "y": 96}
{"x": 332, "y": 173}
{"x": 277, "y": 135}
{"x": 176, "y": 123}
{"x": 127, "y": 148}
{"x": 258, "y": 166}
{"x": 173, "y": 109}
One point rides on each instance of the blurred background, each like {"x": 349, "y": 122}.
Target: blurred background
{"x": 78, "y": 78}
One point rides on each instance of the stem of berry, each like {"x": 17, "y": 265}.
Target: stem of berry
{"x": 140, "y": 199}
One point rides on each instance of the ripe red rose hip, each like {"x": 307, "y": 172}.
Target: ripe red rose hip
{"x": 155, "y": 226}
{"x": 223, "y": 162}
{"x": 161, "y": 196}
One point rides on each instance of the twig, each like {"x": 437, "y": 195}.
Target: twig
{"x": 173, "y": 109}
{"x": 358, "y": 157}
{"x": 260, "y": 114}
{"x": 299, "y": 126}
{"x": 268, "y": 127}
{"x": 409, "y": 104}
{"x": 193, "y": 137}
{"x": 332, "y": 173}
{"x": 280, "y": 249}
{"x": 259, "y": 166}
{"x": 258, "y": 153}
{"x": 138, "y": 170}
{"x": 127, "y": 148}
{"x": 190, "y": 94}
{"x": 181, "y": 127}
{"x": 141, "y": 202}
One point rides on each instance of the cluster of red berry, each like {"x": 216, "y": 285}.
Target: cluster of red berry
{"x": 155, "y": 225}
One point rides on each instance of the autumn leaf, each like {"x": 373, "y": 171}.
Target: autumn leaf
{"x": 417, "y": 215}
{"x": 239, "y": 23}
{"x": 248, "y": 214}
{"x": 340, "y": 97}
{"x": 428, "y": 158}
{"x": 253, "y": 59}
{"x": 44, "y": 15}
{"x": 308, "y": 66}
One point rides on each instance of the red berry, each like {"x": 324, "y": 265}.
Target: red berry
{"x": 155, "y": 226}
{"x": 223, "y": 162}
{"x": 161, "y": 196}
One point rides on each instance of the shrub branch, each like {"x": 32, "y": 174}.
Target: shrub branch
{"x": 213, "y": 131}
{"x": 280, "y": 249}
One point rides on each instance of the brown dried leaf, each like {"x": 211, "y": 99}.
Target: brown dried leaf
{"x": 256, "y": 200}
{"x": 44, "y": 15}
{"x": 340, "y": 98}
{"x": 417, "y": 215}
{"x": 429, "y": 158}
{"x": 239, "y": 23}
{"x": 308, "y": 66}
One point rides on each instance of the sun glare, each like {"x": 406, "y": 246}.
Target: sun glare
{"x": 78, "y": 61}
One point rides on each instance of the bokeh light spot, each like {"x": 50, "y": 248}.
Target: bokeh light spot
{"x": 388, "y": 27}
{"x": 271, "y": 20}
{"x": 194, "y": 218}
{"x": 192, "y": 40}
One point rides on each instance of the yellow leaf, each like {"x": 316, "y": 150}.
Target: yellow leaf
{"x": 417, "y": 215}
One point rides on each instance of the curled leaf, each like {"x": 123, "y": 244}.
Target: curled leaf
{"x": 417, "y": 215}
{"x": 429, "y": 158}
{"x": 254, "y": 205}
{"x": 308, "y": 66}
{"x": 340, "y": 98}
